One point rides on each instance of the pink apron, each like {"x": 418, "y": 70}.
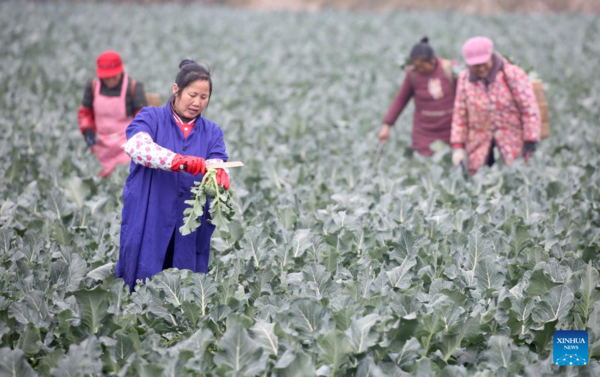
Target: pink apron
{"x": 111, "y": 120}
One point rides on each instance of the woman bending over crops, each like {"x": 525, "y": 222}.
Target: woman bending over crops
{"x": 430, "y": 80}
{"x": 109, "y": 104}
{"x": 495, "y": 106}
{"x": 165, "y": 143}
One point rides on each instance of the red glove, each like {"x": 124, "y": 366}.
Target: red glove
{"x": 85, "y": 117}
{"x": 223, "y": 179}
{"x": 193, "y": 164}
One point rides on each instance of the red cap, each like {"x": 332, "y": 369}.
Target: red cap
{"x": 109, "y": 64}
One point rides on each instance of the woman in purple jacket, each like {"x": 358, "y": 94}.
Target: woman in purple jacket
{"x": 169, "y": 146}
{"x": 430, "y": 80}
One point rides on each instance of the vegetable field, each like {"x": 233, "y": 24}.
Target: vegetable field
{"x": 334, "y": 265}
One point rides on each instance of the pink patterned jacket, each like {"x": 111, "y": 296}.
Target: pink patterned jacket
{"x": 481, "y": 114}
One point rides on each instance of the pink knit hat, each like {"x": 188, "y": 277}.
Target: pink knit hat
{"x": 478, "y": 50}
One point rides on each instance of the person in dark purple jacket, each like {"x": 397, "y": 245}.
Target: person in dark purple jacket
{"x": 431, "y": 81}
{"x": 169, "y": 146}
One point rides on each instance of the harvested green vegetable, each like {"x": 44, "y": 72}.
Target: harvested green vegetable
{"x": 220, "y": 209}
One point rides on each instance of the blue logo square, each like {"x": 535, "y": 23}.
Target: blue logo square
{"x": 570, "y": 347}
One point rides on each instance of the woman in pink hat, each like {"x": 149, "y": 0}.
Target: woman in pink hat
{"x": 430, "y": 81}
{"x": 495, "y": 107}
{"x": 110, "y": 102}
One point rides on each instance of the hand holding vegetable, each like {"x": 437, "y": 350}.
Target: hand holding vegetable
{"x": 221, "y": 205}
{"x": 223, "y": 179}
{"x": 192, "y": 164}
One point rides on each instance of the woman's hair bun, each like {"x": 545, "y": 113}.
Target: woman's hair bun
{"x": 185, "y": 62}
{"x": 425, "y": 40}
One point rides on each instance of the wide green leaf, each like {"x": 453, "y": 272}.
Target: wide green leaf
{"x": 400, "y": 277}
{"x": 307, "y": 316}
{"x": 93, "y": 304}
{"x": 556, "y": 305}
{"x": 360, "y": 334}
{"x": 239, "y": 355}
{"x": 14, "y": 364}
{"x": 589, "y": 290}
{"x": 30, "y": 340}
{"x": 264, "y": 333}
{"x": 334, "y": 349}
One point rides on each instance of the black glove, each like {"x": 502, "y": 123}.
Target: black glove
{"x": 528, "y": 149}
{"x": 90, "y": 137}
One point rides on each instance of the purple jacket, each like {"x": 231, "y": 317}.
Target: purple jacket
{"x": 153, "y": 200}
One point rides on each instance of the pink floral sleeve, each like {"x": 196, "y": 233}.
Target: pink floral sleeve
{"x": 522, "y": 92}
{"x": 143, "y": 151}
{"x": 460, "y": 120}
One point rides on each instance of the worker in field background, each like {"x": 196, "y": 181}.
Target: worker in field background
{"x": 169, "y": 146}
{"x": 495, "y": 107}
{"x": 431, "y": 81}
{"x": 110, "y": 102}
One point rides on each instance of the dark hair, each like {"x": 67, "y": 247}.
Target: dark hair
{"x": 190, "y": 72}
{"x": 422, "y": 51}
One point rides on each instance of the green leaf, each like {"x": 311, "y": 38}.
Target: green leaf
{"x": 169, "y": 282}
{"x": 556, "y": 305}
{"x": 499, "y": 354}
{"x": 452, "y": 341}
{"x": 76, "y": 191}
{"x": 478, "y": 250}
{"x": 542, "y": 339}
{"x": 34, "y": 309}
{"x": 123, "y": 348}
{"x": 368, "y": 368}
{"x": 360, "y": 334}
{"x": 93, "y": 304}
{"x": 343, "y": 318}
{"x": 301, "y": 242}
{"x": 198, "y": 342}
{"x": 82, "y": 359}
{"x": 519, "y": 237}
{"x": 239, "y": 354}
{"x": 30, "y": 340}
{"x": 590, "y": 293}
{"x": 430, "y": 326}
{"x": 264, "y": 333}
{"x": 204, "y": 288}
{"x": 301, "y": 366}
{"x": 307, "y": 315}
{"x": 318, "y": 279}
{"x": 520, "y": 315}
{"x": 404, "y": 306}
{"x": 405, "y": 246}
{"x": 14, "y": 364}
{"x": 77, "y": 271}
{"x": 400, "y": 277}
{"x": 539, "y": 283}
{"x": 489, "y": 276}
{"x": 408, "y": 354}
{"x": 334, "y": 349}
{"x": 288, "y": 217}
{"x": 102, "y": 272}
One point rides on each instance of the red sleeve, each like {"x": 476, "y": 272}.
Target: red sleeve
{"x": 399, "y": 103}
{"x": 85, "y": 116}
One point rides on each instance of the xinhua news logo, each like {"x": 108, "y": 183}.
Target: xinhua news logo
{"x": 570, "y": 347}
